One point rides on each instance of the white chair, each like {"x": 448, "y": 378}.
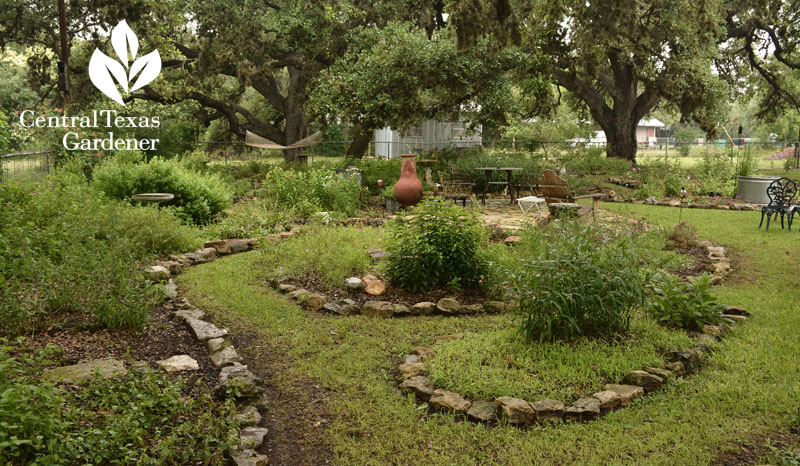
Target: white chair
{"x": 530, "y": 202}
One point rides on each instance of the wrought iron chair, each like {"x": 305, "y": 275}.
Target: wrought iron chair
{"x": 781, "y": 193}
{"x": 455, "y": 188}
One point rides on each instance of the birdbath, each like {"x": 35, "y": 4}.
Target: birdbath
{"x": 426, "y": 165}
{"x": 152, "y": 198}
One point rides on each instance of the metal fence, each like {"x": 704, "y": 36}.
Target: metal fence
{"x": 25, "y": 166}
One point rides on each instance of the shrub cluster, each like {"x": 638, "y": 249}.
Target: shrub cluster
{"x": 577, "y": 282}
{"x": 198, "y": 196}
{"x": 441, "y": 245}
{"x": 64, "y": 248}
{"x": 144, "y": 418}
{"x": 684, "y": 305}
{"x": 308, "y": 192}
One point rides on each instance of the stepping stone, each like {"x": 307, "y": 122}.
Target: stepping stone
{"x": 85, "y": 371}
{"x": 583, "y": 409}
{"x": 626, "y": 392}
{"x": 204, "y": 330}
{"x": 442, "y": 400}
{"x": 515, "y": 410}
{"x": 482, "y": 411}
{"x": 420, "y": 386}
{"x": 252, "y": 437}
{"x": 178, "y": 363}
{"x": 549, "y": 410}
{"x": 643, "y": 379}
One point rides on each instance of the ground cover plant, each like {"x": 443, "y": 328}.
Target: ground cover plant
{"x": 748, "y": 385}
{"x": 69, "y": 253}
{"x": 144, "y": 418}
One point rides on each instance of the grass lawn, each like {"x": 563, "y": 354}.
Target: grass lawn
{"x": 750, "y": 386}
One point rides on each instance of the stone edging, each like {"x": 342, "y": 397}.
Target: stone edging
{"x": 688, "y": 205}
{"x": 718, "y": 257}
{"x": 518, "y": 412}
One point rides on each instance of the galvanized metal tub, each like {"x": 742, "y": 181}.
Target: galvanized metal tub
{"x": 753, "y": 189}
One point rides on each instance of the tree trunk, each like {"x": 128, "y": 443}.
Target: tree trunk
{"x": 621, "y": 137}
{"x": 360, "y": 142}
{"x": 296, "y": 125}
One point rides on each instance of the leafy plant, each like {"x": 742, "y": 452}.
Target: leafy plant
{"x": 577, "y": 282}
{"x": 440, "y": 246}
{"x": 308, "y": 192}
{"x": 247, "y": 219}
{"x": 685, "y": 305}
{"x": 683, "y": 234}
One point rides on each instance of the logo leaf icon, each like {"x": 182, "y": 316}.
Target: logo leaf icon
{"x": 123, "y": 37}
{"x": 149, "y": 65}
{"x": 102, "y": 68}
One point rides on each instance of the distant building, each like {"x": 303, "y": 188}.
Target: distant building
{"x": 645, "y": 135}
{"x": 431, "y": 134}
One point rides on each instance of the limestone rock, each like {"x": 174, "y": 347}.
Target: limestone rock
{"x": 494, "y": 306}
{"x": 410, "y": 370}
{"x": 626, "y": 392}
{"x": 248, "y": 416}
{"x": 204, "y": 330}
{"x": 420, "y": 386}
{"x": 248, "y": 457}
{"x": 713, "y": 330}
{"x": 377, "y": 309}
{"x": 515, "y": 411}
{"x": 286, "y": 288}
{"x": 482, "y": 411}
{"x": 171, "y": 289}
{"x": 179, "y": 363}
{"x": 313, "y": 302}
{"x": 400, "y": 310}
{"x": 736, "y": 310}
{"x": 348, "y": 307}
{"x": 721, "y": 268}
{"x": 608, "y": 399}
{"x": 549, "y": 410}
{"x": 174, "y": 267}
{"x": 225, "y": 357}
{"x": 207, "y": 253}
{"x": 299, "y": 294}
{"x": 424, "y": 308}
{"x": 252, "y": 437}
{"x": 471, "y": 309}
{"x": 691, "y": 358}
{"x": 157, "y": 273}
{"x": 735, "y": 318}
{"x": 216, "y": 344}
{"x": 663, "y": 373}
{"x": 448, "y": 305}
{"x": 442, "y": 400}
{"x": 677, "y": 368}
{"x": 367, "y": 280}
{"x": 220, "y": 245}
{"x": 237, "y": 379}
{"x": 193, "y": 258}
{"x": 512, "y": 240}
{"x": 354, "y": 284}
{"x": 82, "y": 372}
{"x": 715, "y": 251}
{"x": 583, "y": 409}
{"x": 286, "y": 234}
{"x": 643, "y": 379}
{"x": 411, "y": 358}
{"x": 238, "y": 245}
{"x": 376, "y": 288}
{"x": 424, "y": 352}
{"x": 192, "y": 313}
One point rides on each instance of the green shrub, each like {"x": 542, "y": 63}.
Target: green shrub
{"x": 685, "y": 305}
{"x": 441, "y": 245}
{"x": 374, "y": 170}
{"x": 578, "y": 282}
{"x": 197, "y": 196}
{"x": 308, "y": 192}
{"x": 65, "y": 249}
{"x": 593, "y": 161}
{"x": 142, "y": 418}
{"x": 248, "y": 219}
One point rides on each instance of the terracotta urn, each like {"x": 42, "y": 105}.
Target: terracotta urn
{"x": 408, "y": 189}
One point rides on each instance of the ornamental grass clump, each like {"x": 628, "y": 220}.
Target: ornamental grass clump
{"x": 440, "y": 246}
{"x": 578, "y": 282}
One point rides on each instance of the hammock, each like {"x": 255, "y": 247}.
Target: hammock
{"x": 252, "y": 139}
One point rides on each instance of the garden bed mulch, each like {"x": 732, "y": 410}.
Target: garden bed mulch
{"x": 699, "y": 263}
{"x": 393, "y": 294}
{"x": 162, "y": 338}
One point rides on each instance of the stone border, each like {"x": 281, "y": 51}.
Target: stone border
{"x": 520, "y": 413}
{"x": 718, "y": 257}
{"x": 688, "y": 205}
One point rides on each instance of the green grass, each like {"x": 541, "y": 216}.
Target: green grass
{"x": 492, "y": 364}
{"x": 749, "y": 387}
{"x": 328, "y": 254}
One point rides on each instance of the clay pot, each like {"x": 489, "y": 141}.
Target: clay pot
{"x": 408, "y": 189}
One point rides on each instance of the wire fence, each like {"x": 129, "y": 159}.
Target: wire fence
{"x": 26, "y": 166}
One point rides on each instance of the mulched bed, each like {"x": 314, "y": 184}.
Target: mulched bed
{"x": 393, "y": 294}
{"x": 699, "y": 261}
{"x": 162, "y": 338}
